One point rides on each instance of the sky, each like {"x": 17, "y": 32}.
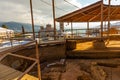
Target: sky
{"x": 19, "y": 10}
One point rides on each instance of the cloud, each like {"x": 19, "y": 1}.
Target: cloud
{"x": 76, "y": 2}
{"x": 12, "y": 12}
{"x": 19, "y": 10}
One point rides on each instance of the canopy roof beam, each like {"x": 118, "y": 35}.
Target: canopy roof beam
{"x": 112, "y": 13}
{"x": 80, "y": 11}
{"x": 78, "y": 16}
{"x": 92, "y": 13}
{"x": 97, "y": 15}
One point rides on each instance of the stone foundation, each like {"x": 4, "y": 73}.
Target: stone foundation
{"x": 71, "y": 44}
{"x": 99, "y": 44}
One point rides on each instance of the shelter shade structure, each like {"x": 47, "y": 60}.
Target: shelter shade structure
{"x": 96, "y": 12}
{"x": 92, "y": 13}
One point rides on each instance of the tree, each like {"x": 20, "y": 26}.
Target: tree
{"x": 23, "y": 30}
{"x": 41, "y": 27}
{"x": 4, "y": 26}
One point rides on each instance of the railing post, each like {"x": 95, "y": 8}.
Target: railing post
{"x": 38, "y": 61}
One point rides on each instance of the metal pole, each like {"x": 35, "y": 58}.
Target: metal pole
{"x": 109, "y": 18}
{"x": 53, "y": 7}
{"x": 101, "y": 18}
{"x": 32, "y": 19}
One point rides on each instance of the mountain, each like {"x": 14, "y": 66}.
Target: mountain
{"x": 17, "y": 27}
{"x": 117, "y": 24}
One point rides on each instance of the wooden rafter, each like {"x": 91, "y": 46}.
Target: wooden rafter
{"x": 91, "y": 13}
{"x": 111, "y": 13}
{"x": 80, "y": 11}
{"x": 97, "y": 15}
{"x": 78, "y": 16}
{"x": 83, "y": 13}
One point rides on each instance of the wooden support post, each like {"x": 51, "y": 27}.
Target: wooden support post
{"x": 71, "y": 29}
{"x": 109, "y": 18}
{"x": 38, "y": 61}
{"x": 101, "y": 18}
{"x": 88, "y": 29}
{"x": 32, "y": 19}
{"x": 53, "y": 7}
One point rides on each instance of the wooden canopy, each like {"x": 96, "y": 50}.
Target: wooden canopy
{"x": 92, "y": 13}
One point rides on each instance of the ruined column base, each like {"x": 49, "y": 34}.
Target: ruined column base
{"x": 99, "y": 44}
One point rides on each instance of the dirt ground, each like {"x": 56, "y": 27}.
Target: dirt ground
{"x": 82, "y": 69}
{"x": 76, "y": 69}
{"x": 113, "y": 45}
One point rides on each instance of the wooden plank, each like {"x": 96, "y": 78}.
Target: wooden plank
{"x": 7, "y": 73}
{"x": 12, "y": 76}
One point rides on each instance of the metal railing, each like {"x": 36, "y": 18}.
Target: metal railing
{"x": 36, "y": 60}
{"x": 68, "y": 33}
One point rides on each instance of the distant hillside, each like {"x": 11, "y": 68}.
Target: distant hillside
{"x": 116, "y": 24}
{"x": 17, "y": 26}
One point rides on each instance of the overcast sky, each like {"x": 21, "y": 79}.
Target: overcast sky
{"x": 19, "y": 10}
